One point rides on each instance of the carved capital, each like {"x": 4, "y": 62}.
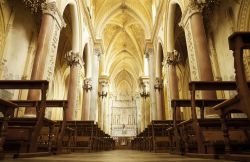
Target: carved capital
{"x": 87, "y": 86}
{"x": 51, "y": 9}
{"x": 173, "y": 58}
{"x": 205, "y": 7}
{"x": 33, "y": 5}
{"x": 149, "y": 51}
{"x": 158, "y": 84}
{"x": 97, "y": 52}
{"x": 72, "y": 58}
{"x": 196, "y": 5}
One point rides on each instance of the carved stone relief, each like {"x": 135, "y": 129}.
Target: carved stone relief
{"x": 191, "y": 52}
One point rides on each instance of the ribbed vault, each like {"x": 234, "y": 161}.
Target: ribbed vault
{"x": 123, "y": 26}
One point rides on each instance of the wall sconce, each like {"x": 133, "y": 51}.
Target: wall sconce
{"x": 144, "y": 91}
{"x": 87, "y": 84}
{"x": 103, "y": 94}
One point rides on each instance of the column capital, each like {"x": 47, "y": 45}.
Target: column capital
{"x": 51, "y": 9}
{"x": 158, "y": 84}
{"x": 72, "y": 58}
{"x": 87, "y": 84}
{"x": 97, "y": 52}
{"x": 198, "y": 6}
{"x": 194, "y": 6}
{"x": 144, "y": 86}
{"x": 173, "y": 58}
{"x": 33, "y": 5}
{"x": 149, "y": 51}
{"x": 104, "y": 83}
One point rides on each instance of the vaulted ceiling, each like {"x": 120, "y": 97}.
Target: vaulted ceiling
{"x": 123, "y": 26}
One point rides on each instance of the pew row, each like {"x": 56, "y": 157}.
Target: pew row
{"x": 20, "y": 130}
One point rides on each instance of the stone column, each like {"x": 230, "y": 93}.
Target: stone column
{"x": 144, "y": 93}
{"x": 142, "y": 115}
{"x": 94, "y": 92}
{"x": 87, "y": 87}
{"x": 138, "y": 113}
{"x": 149, "y": 53}
{"x": 159, "y": 99}
{"x": 45, "y": 57}
{"x": 197, "y": 44}
{"x": 73, "y": 60}
{"x": 172, "y": 60}
{"x": 103, "y": 81}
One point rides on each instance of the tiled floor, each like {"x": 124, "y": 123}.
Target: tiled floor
{"x": 113, "y": 156}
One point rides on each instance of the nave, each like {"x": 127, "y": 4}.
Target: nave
{"x": 154, "y": 76}
{"x": 116, "y": 156}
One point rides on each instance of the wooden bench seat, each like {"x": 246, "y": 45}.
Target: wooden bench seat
{"x": 232, "y": 103}
{"x": 84, "y": 136}
{"x": 161, "y": 139}
{"x": 7, "y": 109}
{"x": 47, "y": 134}
{"x": 41, "y": 85}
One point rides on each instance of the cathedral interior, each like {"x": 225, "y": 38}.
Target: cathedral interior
{"x": 124, "y": 80}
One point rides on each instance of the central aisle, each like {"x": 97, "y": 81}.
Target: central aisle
{"x": 114, "y": 156}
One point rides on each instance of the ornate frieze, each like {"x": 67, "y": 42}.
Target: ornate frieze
{"x": 158, "y": 84}
{"x": 72, "y": 58}
{"x": 87, "y": 86}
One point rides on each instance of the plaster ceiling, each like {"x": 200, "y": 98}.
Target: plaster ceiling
{"x": 123, "y": 26}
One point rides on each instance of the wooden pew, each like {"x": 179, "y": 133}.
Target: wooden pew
{"x": 7, "y": 109}
{"x": 85, "y": 135}
{"x": 41, "y": 85}
{"x": 202, "y": 85}
{"x": 161, "y": 140}
{"x": 51, "y": 134}
{"x": 238, "y": 42}
{"x": 185, "y": 131}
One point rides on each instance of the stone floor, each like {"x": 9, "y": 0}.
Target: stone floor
{"x": 114, "y": 156}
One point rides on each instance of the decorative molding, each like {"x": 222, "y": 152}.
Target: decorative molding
{"x": 191, "y": 53}
{"x": 72, "y": 58}
{"x": 52, "y": 10}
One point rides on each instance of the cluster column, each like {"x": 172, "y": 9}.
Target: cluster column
{"x": 87, "y": 87}
{"x": 73, "y": 60}
{"x": 45, "y": 57}
{"x": 172, "y": 60}
{"x": 197, "y": 44}
{"x": 103, "y": 92}
{"x": 95, "y": 74}
{"x": 159, "y": 98}
{"x": 144, "y": 93}
{"x": 150, "y": 56}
